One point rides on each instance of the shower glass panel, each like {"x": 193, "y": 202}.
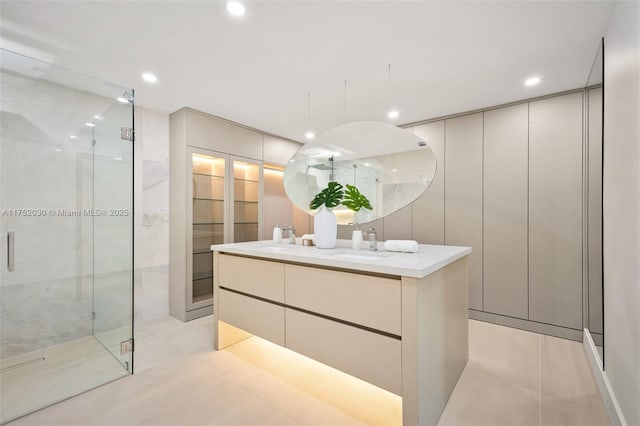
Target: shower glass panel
{"x": 66, "y": 229}
{"x": 112, "y": 230}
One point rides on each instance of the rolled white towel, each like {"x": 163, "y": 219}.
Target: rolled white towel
{"x": 308, "y": 240}
{"x": 409, "y": 246}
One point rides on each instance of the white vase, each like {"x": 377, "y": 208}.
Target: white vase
{"x": 325, "y": 228}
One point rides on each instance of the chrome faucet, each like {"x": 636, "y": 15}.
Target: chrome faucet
{"x": 292, "y": 233}
{"x": 373, "y": 244}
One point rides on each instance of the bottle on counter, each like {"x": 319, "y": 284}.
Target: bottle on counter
{"x": 356, "y": 238}
{"x": 277, "y": 234}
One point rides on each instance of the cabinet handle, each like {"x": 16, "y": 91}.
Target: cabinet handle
{"x": 10, "y": 252}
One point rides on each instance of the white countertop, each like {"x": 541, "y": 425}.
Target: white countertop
{"x": 428, "y": 259}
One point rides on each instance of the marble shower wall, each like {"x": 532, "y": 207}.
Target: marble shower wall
{"x": 48, "y": 168}
{"x": 151, "y": 230}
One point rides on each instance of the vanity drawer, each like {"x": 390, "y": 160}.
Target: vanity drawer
{"x": 360, "y": 353}
{"x": 362, "y": 299}
{"x": 257, "y": 277}
{"x": 260, "y": 318}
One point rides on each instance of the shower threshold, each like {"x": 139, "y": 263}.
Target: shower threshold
{"x": 44, "y": 377}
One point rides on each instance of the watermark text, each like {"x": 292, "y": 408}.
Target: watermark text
{"x": 64, "y": 212}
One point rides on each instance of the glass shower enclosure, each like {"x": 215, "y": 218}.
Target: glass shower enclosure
{"x": 66, "y": 281}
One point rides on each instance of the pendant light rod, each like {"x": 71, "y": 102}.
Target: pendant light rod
{"x": 309, "y": 133}
{"x": 345, "y": 101}
{"x": 391, "y": 113}
{"x": 389, "y": 87}
{"x": 308, "y": 110}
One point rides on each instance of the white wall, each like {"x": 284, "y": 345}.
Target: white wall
{"x": 151, "y": 189}
{"x": 621, "y": 210}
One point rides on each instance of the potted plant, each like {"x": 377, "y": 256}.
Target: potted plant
{"x": 355, "y": 200}
{"x": 324, "y": 222}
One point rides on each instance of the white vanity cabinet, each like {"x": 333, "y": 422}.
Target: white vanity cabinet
{"x": 398, "y": 322}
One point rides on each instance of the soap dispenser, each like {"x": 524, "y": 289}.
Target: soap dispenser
{"x": 356, "y": 238}
{"x": 277, "y": 234}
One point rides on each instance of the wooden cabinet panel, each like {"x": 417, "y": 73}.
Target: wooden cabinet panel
{"x": 463, "y": 194}
{"x": 428, "y": 210}
{"x": 260, "y": 318}
{"x": 209, "y": 132}
{"x": 178, "y": 201}
{"x": 555, "y": 210}
{"x": 362, "y": 299}
{"x": 202, "y": 205}
{"x": 258, "y": 277}
{"x": 505, "y": 212}
{"x": 366, "y": 355}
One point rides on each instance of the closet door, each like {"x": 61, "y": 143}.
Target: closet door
{"x": 505, "y": 211}
{"x": 463, "y": 195}
{"x": 428, "y": 209}
{"x": 206, "y": 212}
{"x": 246, "y": 199}
{"x": 555, "y": 211}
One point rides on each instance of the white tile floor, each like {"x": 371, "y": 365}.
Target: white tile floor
{"x": 513, "y": 378}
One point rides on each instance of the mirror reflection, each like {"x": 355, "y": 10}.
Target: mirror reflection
{"x": 594, "y": 319}
{"x": 390, "y": 166}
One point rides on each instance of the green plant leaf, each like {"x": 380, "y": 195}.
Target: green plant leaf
{"x": 355, "y": 200}
{"x": 329, "y": 197}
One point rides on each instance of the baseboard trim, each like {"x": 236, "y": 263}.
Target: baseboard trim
{"x": 608, "y": 396}
{"x": 198, "y": 313}
{"x": 536, "y": 327}
{"x": 597, "y": 338}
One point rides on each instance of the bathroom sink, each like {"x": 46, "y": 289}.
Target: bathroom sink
{"x": 275, "y": 247}
{"x": 359, "y": 255}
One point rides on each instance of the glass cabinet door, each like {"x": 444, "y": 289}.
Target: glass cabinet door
{"x": 247, "y": 206}
{"x": 208, "y": 195}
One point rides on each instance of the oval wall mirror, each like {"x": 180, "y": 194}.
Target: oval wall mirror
{"x": 389, "y": 165}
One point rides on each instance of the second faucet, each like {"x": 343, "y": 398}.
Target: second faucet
{"x": 373, "y": 244}
{"x": 292, "y": 233}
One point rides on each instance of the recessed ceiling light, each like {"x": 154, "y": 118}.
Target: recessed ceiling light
{"x": 394, "y": 170}
{"x": 393, "y": 114}
{"x": 73, "y": 137}
{"x": 309, "y": 135}
{"x": 89, "y": 124}
{"x": 149, "y": 78}
{"x": 58, "y": 150}
{"x": 97, "y": 117}
{"x": 532, "y": 81}
{"x": 235, "y": 8}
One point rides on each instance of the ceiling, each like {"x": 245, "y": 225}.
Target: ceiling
{"x": 446, "y": 57}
